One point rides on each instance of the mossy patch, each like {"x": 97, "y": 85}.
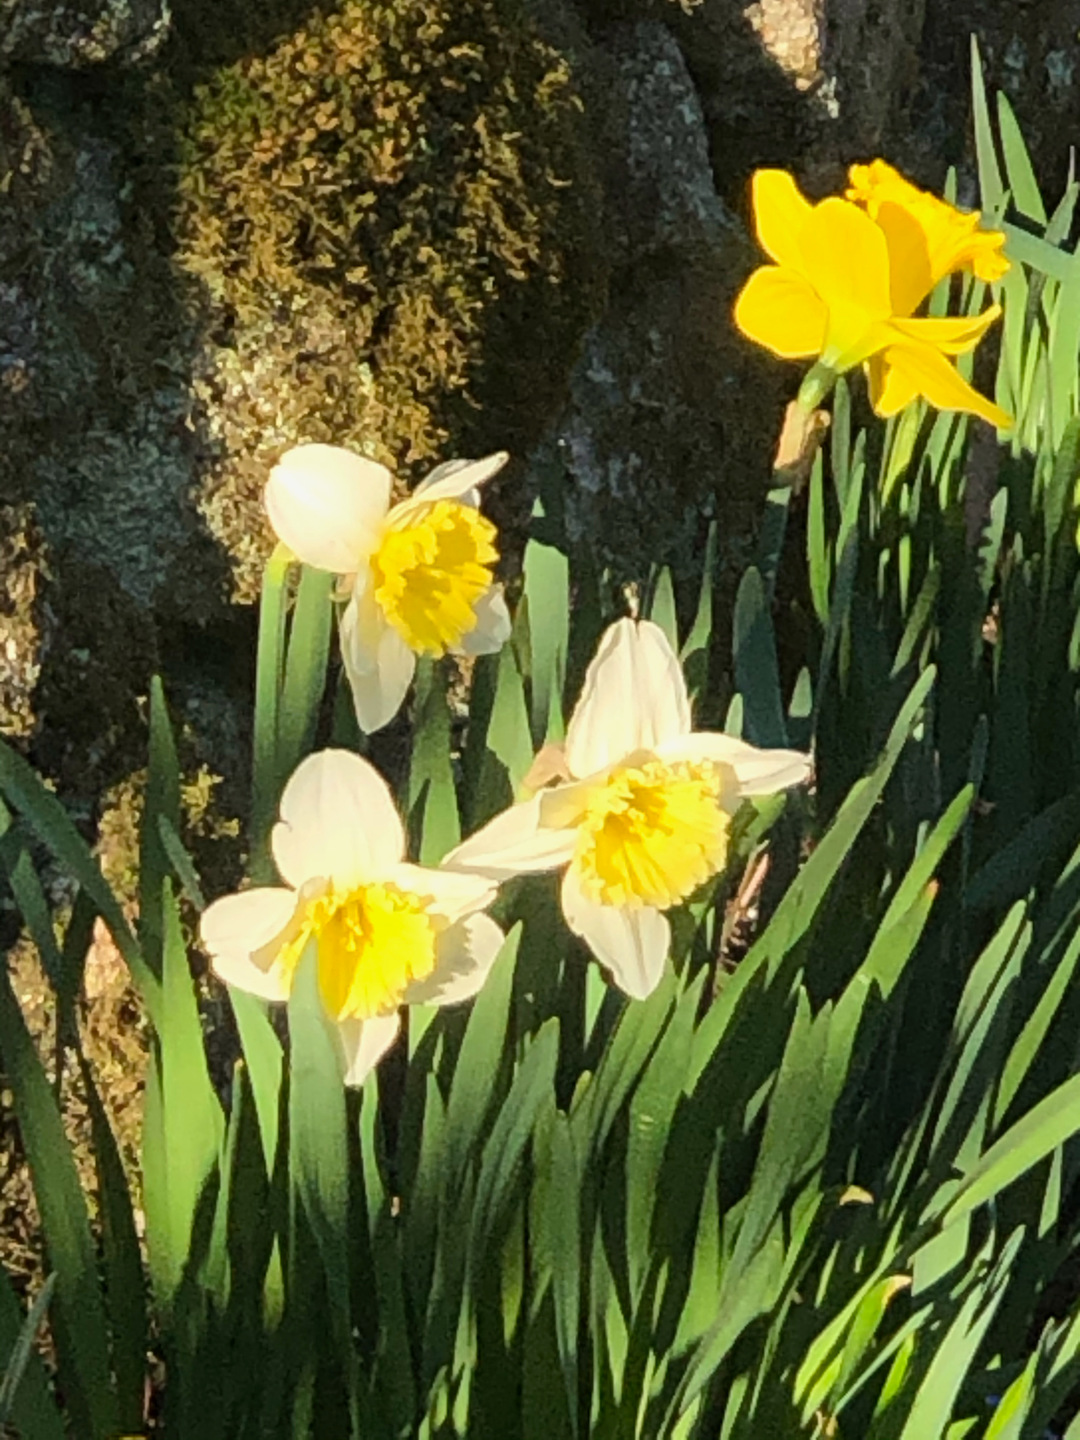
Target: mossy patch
{"x": 389, "y": 219}
{"x": 22, "y": 569}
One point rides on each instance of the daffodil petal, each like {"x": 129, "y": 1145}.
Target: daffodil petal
{"x": 632, "y": 944}
{"x": 634, "y": 698}
{"x": 240, "y": 933}
{"x": 326, "y": 504}
{"x": 513, "y": 843}
{"x": 928, "y": 372}
{"x": 452, "y": 894}
{"x": 563, "y": 807}
{"x": 890, "y": 390}
{"x": 780, "y": 212}
{"x": 777, "y": 308}
{"x": 756, "y": 771}
{"x": 363, "y": 1043}
{"x": 493, "y": 625}
{"x": 338, "y": 821}
{"x": 910, "y": 275}
{"x": 378, "y": 663}
{"x": 466, "y": 953}
{"x": 953, "y": 335}
{"x": 845, "y": 253}
{"x": 456, "y": 480}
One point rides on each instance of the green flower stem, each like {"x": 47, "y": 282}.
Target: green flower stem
{"x": 816, "y": 387}
{"x": 269, "y": 679}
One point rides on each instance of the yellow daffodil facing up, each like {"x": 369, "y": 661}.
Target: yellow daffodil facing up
{"x": 849, "y": 276}
{"x": 643, "y": 819}
{"x": 387, "y": 933}
{"x": 420, "y": 574}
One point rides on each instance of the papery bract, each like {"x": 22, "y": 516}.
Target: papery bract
{"x": 644, "y": 818}
{"x": 387, "y": 933}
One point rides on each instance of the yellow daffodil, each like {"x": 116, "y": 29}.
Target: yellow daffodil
{"x": 848, "y": 277}
{"x": 387, "y": 933}
{"x": 644, "y": 817}
{"x": 419, "y": 575}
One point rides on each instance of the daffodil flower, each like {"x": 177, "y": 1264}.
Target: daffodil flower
{"x": 847, "y": 280}
{"x": 387, "y": 933}
{"x": 418, "y": 575}
{"x": 643, "y": 819}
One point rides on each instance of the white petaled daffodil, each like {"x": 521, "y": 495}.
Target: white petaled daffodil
{"x": 419, "y": 575}
{"x": 644, "y": 815}
{"x": 387, "y": 933}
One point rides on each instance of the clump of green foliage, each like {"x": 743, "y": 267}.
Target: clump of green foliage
{"x": 380, "y": 206}
{"x": 830, "y": 1191}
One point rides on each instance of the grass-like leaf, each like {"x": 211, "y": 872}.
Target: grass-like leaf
{"x": 78, "y": 1315}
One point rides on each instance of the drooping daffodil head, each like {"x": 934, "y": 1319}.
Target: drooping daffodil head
{"x": 848, "y": 275}
{"x": 419, "y": 576}
{"x": 387, "y": 933}
{"x": 643, "y": 816}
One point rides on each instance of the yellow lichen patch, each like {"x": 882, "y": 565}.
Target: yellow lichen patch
{"x": 431, "y": 570}
{"x": 372, "y": 210}
{"x": 652, "y": 834}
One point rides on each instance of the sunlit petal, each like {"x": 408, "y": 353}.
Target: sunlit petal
{"x": 931, "y": 375}
{"x": 452, "y": 894}
{"x": 777, "y": 308}
{"x": 562, "y": 807}
{"x": 756, "y": 771}
{"x": 378, "y": 663}
{"x": 457, "y": 480}
{"x": 466, "y": 953}
{"x": 513, "y": 843}
{"x": 780, "y": 212}
{"x": 363, "y": 1044}
{"x": 846, "y": 255}
{"x": 634, "y": 698}
{"x": 241, "y": 934}
{"x": 890, "y": 390}
{"x": 326, "y": 504}
{"x": 632, "y": 944}
{"x": 493, "y": 625}
{"x": 951, "y": 335}
{"x": 338, "y": 820}
{"x": 910, "y": 276}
